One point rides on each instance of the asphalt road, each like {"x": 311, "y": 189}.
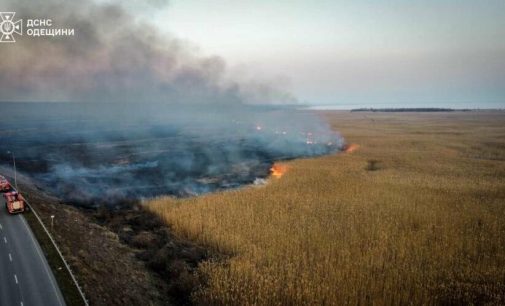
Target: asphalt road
{"x": 25, "y": 276}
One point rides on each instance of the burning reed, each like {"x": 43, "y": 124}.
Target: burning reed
{"x": 278, "y": 170}
{"x": 106, "y": 154}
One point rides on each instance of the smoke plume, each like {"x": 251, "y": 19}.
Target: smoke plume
{"x": 141, "y": 114}
{"x": 115, "y": 56}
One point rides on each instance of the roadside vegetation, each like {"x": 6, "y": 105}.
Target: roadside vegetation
{"x": 68, "y": 289}
{"x": 416, "y": 215}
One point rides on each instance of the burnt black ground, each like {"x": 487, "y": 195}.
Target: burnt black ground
{"x": 105, "y": 154}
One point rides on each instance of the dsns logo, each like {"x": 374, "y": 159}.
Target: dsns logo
{"x": 9, "y": 27}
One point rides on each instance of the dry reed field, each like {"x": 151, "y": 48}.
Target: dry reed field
{"x": 416, "y": 215}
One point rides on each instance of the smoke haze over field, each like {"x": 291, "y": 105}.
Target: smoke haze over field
{"x": 114, "y": 57}
{"x": 143, "y": 113}
{"x": 98, "y": 154}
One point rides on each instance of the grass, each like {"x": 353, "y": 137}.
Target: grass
{"x": 415, "y": 216}
{"x": 65, "y": 282}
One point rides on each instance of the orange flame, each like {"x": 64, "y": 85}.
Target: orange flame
{"x": 351, "y": 148}
{"x": 278, "y": 170}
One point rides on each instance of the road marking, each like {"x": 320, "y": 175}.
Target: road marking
{"x": 16, "y": 278}
{"x": 44, "y": 263}
{"x": 21, "y": 303}
{"x": 1, "y": 226}
{"x": 5, "y": 239}
{"x": 10, "y": 257}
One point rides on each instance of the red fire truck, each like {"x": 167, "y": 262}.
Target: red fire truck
{"x": 4, "y": 184}
{"x": 14, "y": 202}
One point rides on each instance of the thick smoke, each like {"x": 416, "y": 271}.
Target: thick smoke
{"x": 143, "y": 114}
{"x": 115, "y": 56}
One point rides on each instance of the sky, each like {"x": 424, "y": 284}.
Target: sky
{"x": 376, "y": 53}
{"x": 352, "y": 54}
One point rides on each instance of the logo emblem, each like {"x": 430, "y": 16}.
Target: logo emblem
{"x": 9, "y": 27}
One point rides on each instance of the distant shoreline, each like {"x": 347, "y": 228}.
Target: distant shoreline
{"x": 414, "y": 109}
{"x": 397, "y": 109}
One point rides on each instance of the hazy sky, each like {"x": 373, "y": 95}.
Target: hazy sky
{"x": 351, "y": 53}
{"x": 434, "y": 53}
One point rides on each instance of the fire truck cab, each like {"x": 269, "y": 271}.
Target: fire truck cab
{"x": 4, "y": 184}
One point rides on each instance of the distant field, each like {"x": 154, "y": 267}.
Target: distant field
{"x": 415, "y": 215}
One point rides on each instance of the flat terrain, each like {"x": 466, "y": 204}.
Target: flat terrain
{"x": 415, "y": 215}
